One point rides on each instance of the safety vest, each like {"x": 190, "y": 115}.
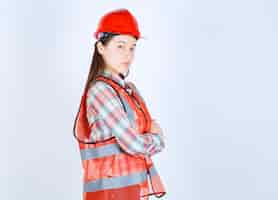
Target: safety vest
{"x": 108, "y": 171}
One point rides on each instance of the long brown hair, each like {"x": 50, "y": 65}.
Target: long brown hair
{"x": 97, "y": 65}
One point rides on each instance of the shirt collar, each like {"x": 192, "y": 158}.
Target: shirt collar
{"x": 115, "y": 77}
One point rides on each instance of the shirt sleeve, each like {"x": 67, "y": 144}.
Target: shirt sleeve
{"x": 158, "y": 138}
{"x": 105, "y": 104}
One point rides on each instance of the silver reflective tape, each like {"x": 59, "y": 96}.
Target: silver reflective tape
{"x": 115, "y": 182}
{"x": 107, "y": 150}
{"x": 153, "y": 171}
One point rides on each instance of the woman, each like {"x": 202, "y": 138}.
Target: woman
{"x": 114, "y": 129}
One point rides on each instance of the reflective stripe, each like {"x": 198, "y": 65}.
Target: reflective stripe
{"x": 153, "y": 171}
{"x": 129, "y": 111}
{"x": 107, "y": 150}
{"x": 115, "y": 182}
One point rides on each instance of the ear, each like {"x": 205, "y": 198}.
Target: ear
{"x": 100, "y": 48}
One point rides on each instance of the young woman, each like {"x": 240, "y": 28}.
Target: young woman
{"x": 115, "y": 132}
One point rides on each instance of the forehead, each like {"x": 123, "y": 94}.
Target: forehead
{"x": 124, "y": 39}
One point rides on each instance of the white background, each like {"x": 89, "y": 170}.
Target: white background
{"x": 207, "y": 69}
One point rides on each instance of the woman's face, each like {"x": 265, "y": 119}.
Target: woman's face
{"x": 118, "y": 54}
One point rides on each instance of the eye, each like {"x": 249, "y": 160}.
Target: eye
{"x": 120, "y": 46}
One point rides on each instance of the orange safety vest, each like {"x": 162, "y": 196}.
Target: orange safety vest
{"x": 108, "y": 171}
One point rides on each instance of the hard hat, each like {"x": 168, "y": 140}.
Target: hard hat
{"x": 119, "y": 21}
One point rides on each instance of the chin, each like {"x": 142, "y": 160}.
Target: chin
{"x": 124, "y": 70}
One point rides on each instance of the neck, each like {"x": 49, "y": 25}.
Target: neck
{"x": 115, "y": 73}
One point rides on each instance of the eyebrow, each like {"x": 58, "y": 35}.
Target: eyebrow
{"x": 121, "y": 41}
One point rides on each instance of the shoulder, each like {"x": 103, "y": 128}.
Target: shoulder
{"x": 101, "y": 93}
{"x": 133, "y": 87}
{"x": 100, "y": 87}
{"x": 131, "y": 84}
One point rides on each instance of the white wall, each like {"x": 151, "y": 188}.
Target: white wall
{"x": 208, "y": 71}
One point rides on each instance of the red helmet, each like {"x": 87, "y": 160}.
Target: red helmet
{"x": 119, "y": 21}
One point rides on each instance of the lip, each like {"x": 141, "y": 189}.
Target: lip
{"x": 125, "y": 63}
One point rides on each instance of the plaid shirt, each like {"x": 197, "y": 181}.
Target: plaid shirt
{"x": 107, "y": 118}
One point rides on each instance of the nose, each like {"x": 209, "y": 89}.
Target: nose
{"x": 127, "y": 55}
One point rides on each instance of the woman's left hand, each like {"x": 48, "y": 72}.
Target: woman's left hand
{"x": 155, "y": 128}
